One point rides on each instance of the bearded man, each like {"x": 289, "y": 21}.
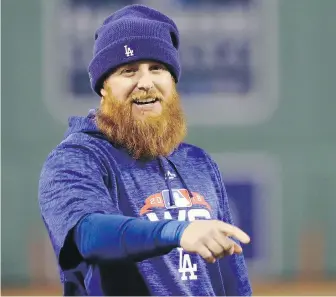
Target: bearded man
{"x": 129, "y": 207}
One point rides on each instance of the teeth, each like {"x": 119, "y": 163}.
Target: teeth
{"x": 143, "y": 101}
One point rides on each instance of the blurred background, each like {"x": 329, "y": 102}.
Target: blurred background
{"x": 258, "y": 86}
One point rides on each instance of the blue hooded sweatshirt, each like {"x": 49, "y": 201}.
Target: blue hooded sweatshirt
{"x": 115, "y": 222}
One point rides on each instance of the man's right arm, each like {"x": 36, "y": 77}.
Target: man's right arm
{"x": 102, "y": 237}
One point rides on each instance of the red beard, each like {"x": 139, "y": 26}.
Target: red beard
{"x": 149, "y": 138}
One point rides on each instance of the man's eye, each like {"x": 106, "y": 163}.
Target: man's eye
{"x": 157, "y": 67}
{"x": 128, "y": 71}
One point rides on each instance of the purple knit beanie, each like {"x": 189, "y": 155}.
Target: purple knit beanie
{"x": 134, "y": 33}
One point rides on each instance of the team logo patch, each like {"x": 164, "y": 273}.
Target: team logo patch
{"x": 180, "y": 199}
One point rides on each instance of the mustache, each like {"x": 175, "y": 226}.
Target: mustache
{"x": 142, "y": 95}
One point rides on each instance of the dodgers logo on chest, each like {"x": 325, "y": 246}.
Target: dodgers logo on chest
{"x": 178, "y": 205}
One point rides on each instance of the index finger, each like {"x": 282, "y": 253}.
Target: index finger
{"x": 234, "y": 231}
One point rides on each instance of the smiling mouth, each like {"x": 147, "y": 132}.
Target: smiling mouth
{"x": 145, "y": 101}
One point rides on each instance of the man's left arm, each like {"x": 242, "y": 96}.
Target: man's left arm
{"x": 233, "y": 268}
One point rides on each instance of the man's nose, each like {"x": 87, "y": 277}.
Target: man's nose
{"x": 145, "y": 82}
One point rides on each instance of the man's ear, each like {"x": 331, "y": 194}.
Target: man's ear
{"x": 103, "y": 92}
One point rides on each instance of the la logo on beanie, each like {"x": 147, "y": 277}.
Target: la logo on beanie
{"x": 128, "y": 51}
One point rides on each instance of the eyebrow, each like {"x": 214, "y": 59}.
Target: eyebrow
{"x": 137, "y": 63}
{"x": 129, "y": 65}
